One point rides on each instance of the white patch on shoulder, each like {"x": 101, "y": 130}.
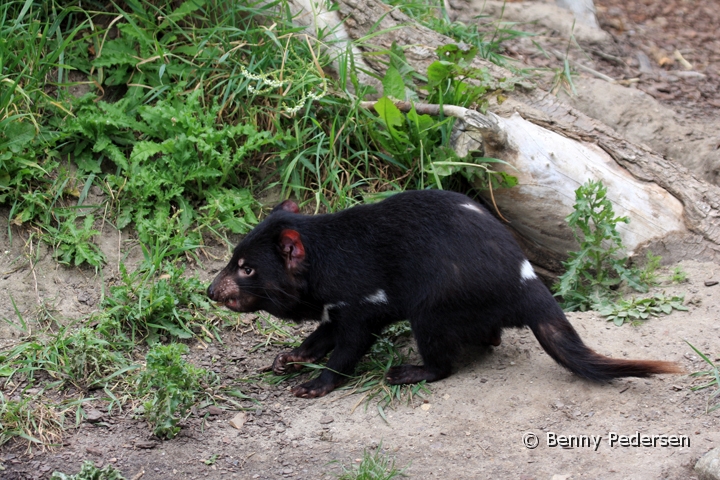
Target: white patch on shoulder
{"x": 378, "y": 297}
{"x": 470, "y": 206}
{"x": 526, "y": 271}
{"x": 325, "y": 318}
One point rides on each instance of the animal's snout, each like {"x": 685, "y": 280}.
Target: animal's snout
{"x": 213, "y": 290}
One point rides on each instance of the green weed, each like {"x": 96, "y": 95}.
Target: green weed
{"x": 182, "y": 161}
{"x": 418, "y": 144}
{"x": 714, "y": 374}
{"x": 638, "y": 309}
{"x": 88, "y": 471}
{"x": 73, "y": 244}
{"x": 487, "y": 36}
{"x": 593, "y": 272}
{"x": 377, "y": 465}
{"x": 174, "y": 386}
{"x": 71, "y": 356}
{"x": 154, "y": 302}
{"x": 678, "y": 275}
{"x": 649, "y": 273}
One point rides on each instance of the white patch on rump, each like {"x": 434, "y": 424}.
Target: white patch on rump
{"x": 377, "y": 297}
{"x": 526, "y": 271}
{"x": 470, "y": 206}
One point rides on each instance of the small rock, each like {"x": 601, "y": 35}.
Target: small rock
{"x": 238, "y": 420}
{"x": 146, "y": 445}
{"x": 213, "y": 410}
{"x": 645, "y": 65}
{"x": 93, "y": 451}
{"x": 93, "y": 416}
{"x": 326, "y": 419}
{"x": 708, "y": 467}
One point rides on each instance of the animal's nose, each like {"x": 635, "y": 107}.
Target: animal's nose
{"x": 211, "y": 292}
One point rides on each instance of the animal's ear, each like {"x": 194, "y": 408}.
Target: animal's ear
{"x": 292, "y": 249}
{"x": 288, "y": 206}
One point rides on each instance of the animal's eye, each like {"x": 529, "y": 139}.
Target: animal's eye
{"x": 246, "y": 271}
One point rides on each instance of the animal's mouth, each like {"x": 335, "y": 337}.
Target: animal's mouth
{"x": 233, "y": 304}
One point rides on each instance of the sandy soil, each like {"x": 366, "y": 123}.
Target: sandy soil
{"x": 472, "y": 424}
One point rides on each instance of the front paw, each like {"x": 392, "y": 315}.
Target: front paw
{"x": 289, "y": 362}
{"x": 313, "y": 389}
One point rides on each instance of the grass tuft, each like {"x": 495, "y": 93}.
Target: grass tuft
{"x": 377, "y": 465}
{"x": 714, "y": 380}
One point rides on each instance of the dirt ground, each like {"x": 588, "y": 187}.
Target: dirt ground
{"x": 472, "y": 425}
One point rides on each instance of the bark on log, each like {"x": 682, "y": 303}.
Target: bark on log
{"x": 696, "y": 231}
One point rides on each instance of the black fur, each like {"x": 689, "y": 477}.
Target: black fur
{"x": 441, "y": 260}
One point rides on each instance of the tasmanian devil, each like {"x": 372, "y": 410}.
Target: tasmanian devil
{"x": 434, "y": 257}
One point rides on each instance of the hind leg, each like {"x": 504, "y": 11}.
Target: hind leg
{"x": 490, "y": 338}
{"x": 437, "y": 349}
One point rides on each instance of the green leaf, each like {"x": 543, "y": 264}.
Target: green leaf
{"x": 18, "y": 135}
{"x": 119, "y": 51}
{"x": 182, "y": 11}
{"x": 393, "y": 86}
{"x": 390, "y": 115}
{"x": 144, "y": 150}
{"x": 439, "y": 71}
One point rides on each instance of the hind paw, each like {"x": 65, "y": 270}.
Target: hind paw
{"x": 313, "y": 389}
{"x": 413, "y": 374}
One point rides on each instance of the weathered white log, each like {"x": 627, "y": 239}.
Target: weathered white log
{"x": 550, "y": 167}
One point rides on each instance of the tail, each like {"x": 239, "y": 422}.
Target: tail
{"x": 563, "y": 344}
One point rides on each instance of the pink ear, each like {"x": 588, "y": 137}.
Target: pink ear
{"x": 292, "y": 249}
{"x": 288, "y": 206}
